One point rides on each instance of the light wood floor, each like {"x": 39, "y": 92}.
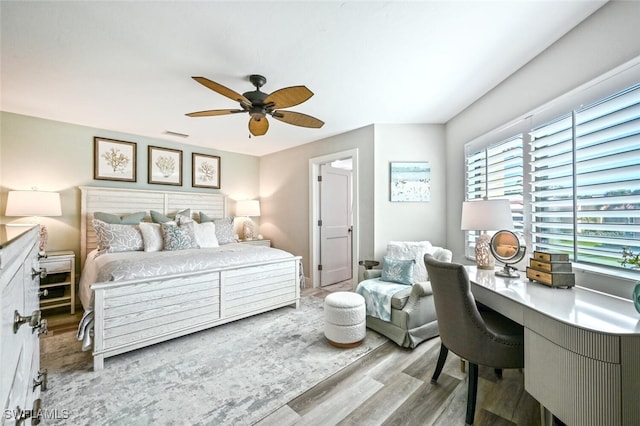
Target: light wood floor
{"x": 391, "y": 386}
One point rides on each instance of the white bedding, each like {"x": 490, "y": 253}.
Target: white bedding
{"x": 140, "y": 264}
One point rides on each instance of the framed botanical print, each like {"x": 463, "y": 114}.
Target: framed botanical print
{"x": 114, "y": 160}
{"x": 205, "y": 171}
{"x": 164, "y": 166}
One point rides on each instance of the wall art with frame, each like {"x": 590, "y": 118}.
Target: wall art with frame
{"x": 164, "y": 166}
{"x": 114, "y": 160}
{"x": 205, "y": 171}
{"x": 410, "y": 181}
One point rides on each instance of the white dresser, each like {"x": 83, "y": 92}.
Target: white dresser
{"x": 20, "y": 380}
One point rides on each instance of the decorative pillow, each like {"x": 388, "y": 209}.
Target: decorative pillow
{"x": 204, "y": 218}
{"x": 206, "y": 235}
{"x": 181, "y": 220}
{"x": 224, "y": 231}
{"x": 112, "y": 238}
{"x": 131, "y": 219}
{"x": 158, "y": 217}
{"x": 412, "y": 250}
{"x": 152, "y": 236}
{"x": 397, "y": 270}
{"x": 178, "y": 237}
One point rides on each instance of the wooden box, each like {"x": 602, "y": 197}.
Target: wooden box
{"x": 550, "y": 257}
{"x": 552, "y": 269}
{"x": 552, "y": 279}
{"x": 550, "y": 266}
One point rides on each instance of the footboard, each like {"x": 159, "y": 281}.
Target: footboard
{"x": 138, "y": 313}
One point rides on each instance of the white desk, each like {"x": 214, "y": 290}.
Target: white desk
{"x": 582, "y": 348}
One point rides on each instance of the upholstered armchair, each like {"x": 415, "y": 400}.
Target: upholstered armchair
{"x": 402, "y": 308}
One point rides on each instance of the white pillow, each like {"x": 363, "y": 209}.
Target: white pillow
{"x": 412, "y": 250}
{"x": 152, "y": 236}
{"x": 206, "y": 234}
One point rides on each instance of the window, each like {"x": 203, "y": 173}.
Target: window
{"x": 583, "y": 171}
{"x": 496, "y": 172}
{"x": 586, "y": 181}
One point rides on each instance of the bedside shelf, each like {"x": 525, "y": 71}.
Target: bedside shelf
{"x": 61, "y": 273}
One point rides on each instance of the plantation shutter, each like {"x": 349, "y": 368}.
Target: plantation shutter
{"x": 552, "y": 186}
{"x": 608, "y": 177}
{"x": 586, "y": 180}
{"x": 496, "y": 172}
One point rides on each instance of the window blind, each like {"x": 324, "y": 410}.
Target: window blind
{"x": 496, "y": 172}
{"x": 586, "y": 180}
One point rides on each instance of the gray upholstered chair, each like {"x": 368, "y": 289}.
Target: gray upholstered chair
{"x": 482, "y": 337}
{"x": 413, "y": 316}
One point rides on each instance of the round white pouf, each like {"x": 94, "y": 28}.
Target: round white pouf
{"x": 344, "y": 316}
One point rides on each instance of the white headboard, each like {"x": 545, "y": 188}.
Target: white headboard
{"x": 126, "y": 201}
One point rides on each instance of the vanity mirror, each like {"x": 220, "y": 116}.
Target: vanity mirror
{"x": 508, "y": 247}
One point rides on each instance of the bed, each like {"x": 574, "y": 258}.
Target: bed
{"x": 125, "y": 310}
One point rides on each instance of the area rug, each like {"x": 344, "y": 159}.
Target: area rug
{"x": 233, "y": 374}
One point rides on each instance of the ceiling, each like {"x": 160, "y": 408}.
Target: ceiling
{"x": 127, "y": 66}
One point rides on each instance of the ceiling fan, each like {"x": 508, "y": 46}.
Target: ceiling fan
{"x": 259, "y": 104}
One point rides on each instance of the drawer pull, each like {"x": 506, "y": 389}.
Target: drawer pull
{"x": 44, "y": 292}
{"x": 34, "y": 414}
{"x": 41, "y": 381}
{"x": 36, "y": 322}
{"x": 42, "y": 273}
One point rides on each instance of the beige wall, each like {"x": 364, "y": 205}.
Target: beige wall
{"x": 409, "y": 221}
{"x": 55, "y": 156}
{"x": 284, "y": 188}
{"x": 284, "y": 191}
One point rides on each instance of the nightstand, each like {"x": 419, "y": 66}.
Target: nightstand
{"x": 60, "y": 281}
{"x": 266, "y": 243}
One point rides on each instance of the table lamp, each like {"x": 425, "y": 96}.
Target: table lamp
{"x": 248, "y": 209}
{"x": 485, "y": 215}
{"x": 34, "y": 203}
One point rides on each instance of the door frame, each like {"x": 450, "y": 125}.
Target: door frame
{"x": 314, "y": 200}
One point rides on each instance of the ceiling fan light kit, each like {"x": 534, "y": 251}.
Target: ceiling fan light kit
{"x": 260, "y": 104}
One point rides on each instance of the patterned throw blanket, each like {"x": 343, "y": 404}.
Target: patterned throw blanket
{"x": 377, "y": 296}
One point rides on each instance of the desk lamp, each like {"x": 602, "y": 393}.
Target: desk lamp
{"x": 485, "y": 215}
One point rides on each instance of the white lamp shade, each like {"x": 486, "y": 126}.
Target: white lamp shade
{"x": 33, "y": 203}
{"x": 248, "y": 208}
{"x": 486, "y": 215}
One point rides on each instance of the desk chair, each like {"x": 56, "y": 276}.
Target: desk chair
{"x": 482, "y": 337}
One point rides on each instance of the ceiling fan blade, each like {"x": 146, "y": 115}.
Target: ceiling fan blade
{"x": 258, "y": 127}
{"x": 288, "y": 96}
{"x": 298, "y": 119}
{"x": 213, "y": 112}
{"x": 224, "y": 91}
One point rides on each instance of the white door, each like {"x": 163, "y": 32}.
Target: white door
{"x": 335, "y": 225}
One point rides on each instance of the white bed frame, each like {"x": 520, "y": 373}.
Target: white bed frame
{"x": 136, "y": 313}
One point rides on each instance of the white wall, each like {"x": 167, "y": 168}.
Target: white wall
{"x": 607, "y": 39}
{"x": 400, "y": 221}
{"x": 55, "y": 156}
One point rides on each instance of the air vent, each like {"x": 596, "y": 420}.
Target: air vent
{"x": 180, "y": 135}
